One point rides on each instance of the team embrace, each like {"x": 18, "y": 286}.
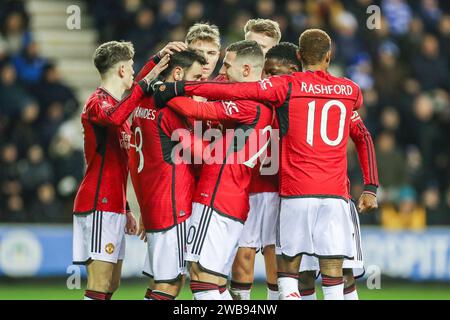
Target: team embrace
{"x": 252, "y": 160}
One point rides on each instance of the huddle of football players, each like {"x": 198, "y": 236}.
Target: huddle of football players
{"x": 198, "y": 150}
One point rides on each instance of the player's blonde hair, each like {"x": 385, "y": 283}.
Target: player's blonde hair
{"x": 267, "y": 27}
{"x": 110, "y": 53}
{"x": 204, "y": 32}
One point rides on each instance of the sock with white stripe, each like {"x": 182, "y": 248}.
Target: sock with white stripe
{"x": 288, "y": 286}
{"x": 350, "y": 293}
{"x": 205, "y": 290}
{"x": 240, "y": 291}
{"x": 272, "y": 291}
{"x": 333, "y": 287}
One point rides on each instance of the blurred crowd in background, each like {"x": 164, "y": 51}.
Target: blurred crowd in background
{"x": 402, "y": 67}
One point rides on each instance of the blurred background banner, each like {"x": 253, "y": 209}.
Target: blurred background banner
{"x": 46, "y": 251}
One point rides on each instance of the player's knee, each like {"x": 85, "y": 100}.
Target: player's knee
{"x": 243, "y": 264}
{"x": 349, "y": 279}
{"x": 170, "y": 288}
{"x": 307, "y": 279}
{"x": 331, "y": 267}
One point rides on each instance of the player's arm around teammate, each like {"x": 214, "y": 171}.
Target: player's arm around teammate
{"x": 101, "y": 214}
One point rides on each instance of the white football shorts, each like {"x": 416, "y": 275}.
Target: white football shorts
{"x": 98, "y": 236}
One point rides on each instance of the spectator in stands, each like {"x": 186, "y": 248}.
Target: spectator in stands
{"x": 405, "y": 213}
{"x": 13, "y": 98}
{"x": 68, "y": 164}
{"x": 427, "y": 133}
{"x": 389, "y": 72}
{"x": 429, "y": 67}
{"x": 13, "y": 33}
{"x": 444, "y": 28}
{"x": 348, "y": 44}
{"x": 436, "y": 213}
{"x": 29, "y": 64}
{"x": 430, "y": 14}
{"x": 36, "y": 170}
{"x": 398, "y": 14}
{"x": 391, "y": 164}
{"x": 51, "y": 90}
{"x": 24, "y": 132}
{"x": 9, "y": 175}
{"x": 46, "y": 206}
{"x": 15, "y": 210}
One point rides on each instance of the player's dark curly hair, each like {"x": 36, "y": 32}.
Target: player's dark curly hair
{"x": 183, "y": 59}
{"x": 314, "y": 44}
{"x": 286, "y": 53}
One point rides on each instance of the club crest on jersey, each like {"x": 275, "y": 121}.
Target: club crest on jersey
{"x": 125, "y": 140}
{"x": 109, "y": 248}
{"x": 230, "y": 107}
{"x": 264, "y": 83}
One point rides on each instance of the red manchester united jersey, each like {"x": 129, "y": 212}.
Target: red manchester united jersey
{"x": 314, "y": 111}
{"x": 224, "y": 185}
{"x": 164, "y": 186}
{"x": 263, "y": 181}
{"x": 106, "y": 143}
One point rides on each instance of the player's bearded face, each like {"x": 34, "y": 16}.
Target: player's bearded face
{"x": 211, "y": 52}
{"x": 194, "y": 73}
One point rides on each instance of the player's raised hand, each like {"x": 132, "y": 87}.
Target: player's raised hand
{"x": 367, "y": 202}
{"x": 172, "y": 47}
{"x": 131, "y": 225}
{"x": 141, "y": 231}
{"x": 156, "y": 71}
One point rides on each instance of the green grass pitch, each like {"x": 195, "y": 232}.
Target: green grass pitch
{"x": 135, "y": 289}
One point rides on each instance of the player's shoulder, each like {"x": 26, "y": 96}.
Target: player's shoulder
{"x": 168, "y": 116}
{"x": 99, "y": 97}
{"x": 347, "y": 81}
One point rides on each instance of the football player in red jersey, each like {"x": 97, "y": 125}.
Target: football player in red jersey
{"x": 101, "y": 212}
{"x": 164, "y": 186}
{"x": 265, "y": 32}
{"x": 264, "y": 200}
{"x": 221, "y": 197}
{"x": 205, "y": 38}
{"x": 260, "y": 228}
{"x": 314, "y": 110}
